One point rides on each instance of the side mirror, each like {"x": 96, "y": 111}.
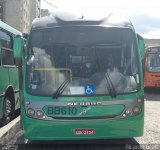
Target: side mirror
{"x": 0, "y": 52}
{"x": 18, "y": 46}
{"x": 0, "y": 48}
{"x": 141, "y": 45}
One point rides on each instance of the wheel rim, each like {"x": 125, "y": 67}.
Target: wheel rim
{"x": 8, "y": 107}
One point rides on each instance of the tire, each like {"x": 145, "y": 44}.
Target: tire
{"x": 9, "y": 109}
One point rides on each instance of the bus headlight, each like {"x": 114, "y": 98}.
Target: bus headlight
{"x": 136, "y": 109}
{"x": 30, "y": 112}
{"x": 128, "y": 111}
{"x": 40, "y": 114}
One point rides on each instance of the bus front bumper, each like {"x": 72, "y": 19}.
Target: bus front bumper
{"x": 151, "y": 83}
{"x": 65, "y": 130}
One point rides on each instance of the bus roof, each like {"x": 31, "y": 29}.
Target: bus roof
{"x": 9, "y": 28}
{"x": 158, "y": 46}
{"x": 60, "y": 18}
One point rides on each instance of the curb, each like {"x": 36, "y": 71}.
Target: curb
{"x": 9, "y": 131}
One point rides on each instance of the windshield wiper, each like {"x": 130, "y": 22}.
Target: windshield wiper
{"x": 110, "y": 86}
{"x": 60, "y": 89}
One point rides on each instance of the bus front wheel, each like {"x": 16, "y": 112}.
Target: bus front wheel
{"x": 8, "y": 108}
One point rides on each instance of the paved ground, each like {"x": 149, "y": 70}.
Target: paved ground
{"x": 5, "y": 129}
{"x": 152, "y": 117}
{"x": 152, "y": 124}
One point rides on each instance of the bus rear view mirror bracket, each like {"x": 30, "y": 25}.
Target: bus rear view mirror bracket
{"x": 25, "y": 35}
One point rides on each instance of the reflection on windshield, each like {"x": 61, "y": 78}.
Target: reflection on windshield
{"x": 154, "y": 62}
{"x": 50, "y": 64}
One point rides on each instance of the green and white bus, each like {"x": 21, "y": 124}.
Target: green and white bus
{"x": 82, "y": 79}
{"x": 9, "y": 84}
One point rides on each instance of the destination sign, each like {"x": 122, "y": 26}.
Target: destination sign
{"x": 154, "y": 49}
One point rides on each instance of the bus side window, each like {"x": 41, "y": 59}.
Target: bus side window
{"x": 7, "y": 48}
{"x": 7, "y": 57}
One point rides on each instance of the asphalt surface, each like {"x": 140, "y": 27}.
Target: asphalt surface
{"x": 149, "y": 140}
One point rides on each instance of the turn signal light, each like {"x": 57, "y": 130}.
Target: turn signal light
{"x": 30, "y": 112}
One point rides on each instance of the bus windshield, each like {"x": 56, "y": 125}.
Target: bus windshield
{"x": 153, "y": 62}
{"x": 92, "y": 59}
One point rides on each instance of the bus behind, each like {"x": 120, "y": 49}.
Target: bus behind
{"x": 9, "y": 81}
{"x": 152, "y": 67}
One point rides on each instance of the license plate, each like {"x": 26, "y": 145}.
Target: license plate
{"x": 57, "y": 110}
{"x": 84, "y": 131}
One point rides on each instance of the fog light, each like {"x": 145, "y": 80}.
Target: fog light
{"x": 39, "y": 114}
{"x": 30, "y": 112}
{"x": 136, "y": 109}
